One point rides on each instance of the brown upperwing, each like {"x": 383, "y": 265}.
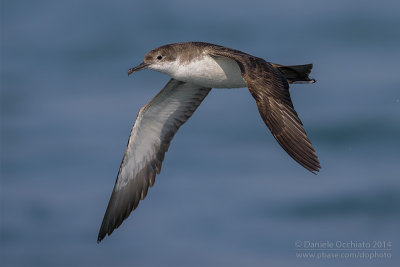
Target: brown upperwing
{"x": 270, "y": 89}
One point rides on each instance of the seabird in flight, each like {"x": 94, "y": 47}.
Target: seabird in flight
{"x": 195, "y": 68}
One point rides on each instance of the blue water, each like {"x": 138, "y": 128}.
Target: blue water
{"x": 228, "y": 195}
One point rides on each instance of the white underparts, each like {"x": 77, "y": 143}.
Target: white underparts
{"x": 207, "y": 71}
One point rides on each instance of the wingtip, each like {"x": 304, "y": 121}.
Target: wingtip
{"x": 102, "y": 233}
{"x": 316, "y": 170}
{"x": 100, "y": 237}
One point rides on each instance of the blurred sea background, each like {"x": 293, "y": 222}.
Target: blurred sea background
{"x": 228, "y": 195}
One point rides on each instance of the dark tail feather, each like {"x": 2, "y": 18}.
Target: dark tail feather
{"x": 297, "y": 73}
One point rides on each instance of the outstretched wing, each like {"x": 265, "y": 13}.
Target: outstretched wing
{"x": 270, "y": 89}
{"x": 271, "y": 92}
{"x": 155, "y": 126}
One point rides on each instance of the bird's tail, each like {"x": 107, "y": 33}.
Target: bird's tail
{"x": 296, "y": 73}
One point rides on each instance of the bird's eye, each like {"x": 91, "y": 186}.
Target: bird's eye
{"x": 159, "y": 57}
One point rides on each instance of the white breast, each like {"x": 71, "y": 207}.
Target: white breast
{"x": 219, "y": 72}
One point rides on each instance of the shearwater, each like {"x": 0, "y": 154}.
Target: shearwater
{"x": 195, "y": 68}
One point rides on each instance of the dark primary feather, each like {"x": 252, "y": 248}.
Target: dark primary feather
{"x": 168, "y": 110}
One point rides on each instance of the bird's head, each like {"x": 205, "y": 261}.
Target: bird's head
{"x": 160, "y": 59}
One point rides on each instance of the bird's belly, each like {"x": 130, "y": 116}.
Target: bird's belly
{"x": 220, "y": 72}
